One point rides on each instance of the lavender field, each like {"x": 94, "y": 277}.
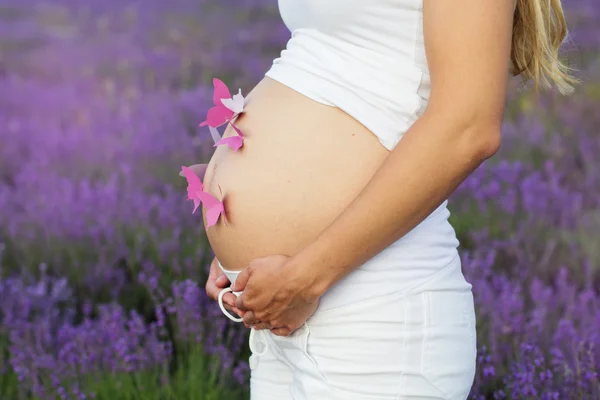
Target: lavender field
{"x": 102, "y": 265}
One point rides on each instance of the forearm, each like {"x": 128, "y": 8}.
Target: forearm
{"x": 435, "y": 155}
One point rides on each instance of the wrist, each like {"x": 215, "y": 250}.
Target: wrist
{"x": 312, "y": 271}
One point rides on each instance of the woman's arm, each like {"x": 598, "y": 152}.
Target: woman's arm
{"x": 468, "y": 51}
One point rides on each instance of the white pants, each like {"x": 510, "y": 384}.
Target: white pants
{"x": 415, "y": 344}
{"x": 399, "y": 327}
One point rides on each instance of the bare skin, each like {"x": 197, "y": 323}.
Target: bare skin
{"x": 468, "y": 52}
{"x": 309, "y": 175}
{"x": 301, "y": 165}
{"x": 293, "y": 177}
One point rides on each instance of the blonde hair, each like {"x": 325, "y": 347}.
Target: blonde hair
{"x": 539, "y": 29}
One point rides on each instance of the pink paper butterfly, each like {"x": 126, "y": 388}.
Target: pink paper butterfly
{"x": 214, "y": 207}
{"x": 234, "y": 142}
{"x": 194, "y": 186}
{"x": 196, "y": 193}
{"x": 226, "y": 106}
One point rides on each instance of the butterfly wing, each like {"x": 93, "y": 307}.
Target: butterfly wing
{"x": 217, "y": 116}
{"x": 214, "y": 132}
{"x": 239, "y": 132}
{"x": 234, "y": 142}
{"x": 221, "y": 91}
{"x": 213, "y": 213}
{"x": 196, "y": 204}
{"x": 208, "y": 199}
{"x": 236, "y": 103}
{"x": 214, "y": 208}
{"x": 194, "y": 183}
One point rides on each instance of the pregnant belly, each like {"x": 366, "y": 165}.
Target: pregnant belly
{"x": 301, "y": 165}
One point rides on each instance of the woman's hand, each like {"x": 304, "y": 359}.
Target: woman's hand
{"x": 275, "y": 295}
{"x": 271, "y": 289}
{"x": 218, "y": 281}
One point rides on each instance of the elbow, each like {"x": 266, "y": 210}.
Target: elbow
{"x": 483, "y": 139}
{"x": 479, "y": 137}
{"x": 476, "y": 132}
{"x": 491, "y": 140}
{"x": 476, "y": 141}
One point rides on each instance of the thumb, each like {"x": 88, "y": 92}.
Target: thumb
{"x": 222, "y": 281}
{"x": 241, "y": 281}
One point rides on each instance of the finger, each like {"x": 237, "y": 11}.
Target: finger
{"x": 212, "y": 290}
{"x": 213, "y": 270}
{"x": 262, "y": 325}
{"x": 222, "y": 281}
{"x": 239, "y": 312}
{"x": 239, "y": 302}
{"x": 242, "y": 280}
{"x": 216, "y": 280}
{"x": 234, "y": 310}
{"x": 229, "y": 308}
{"x": 250, "y": 319}
{"x": 212, "y": 277}
{"x": 280, "y": 331}
{"x": 229, "y": 299}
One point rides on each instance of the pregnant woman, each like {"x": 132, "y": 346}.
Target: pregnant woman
{"x": 335, "y": 237}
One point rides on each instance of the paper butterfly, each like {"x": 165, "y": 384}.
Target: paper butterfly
{"x": 226, "y": 106}
{"x": 194, "y": 186}
{"x": 234, "y": 142}
{"x": 214, "y": 207}
{"x": 196, "y": 193}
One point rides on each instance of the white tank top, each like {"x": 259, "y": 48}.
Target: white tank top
{"x": 366, "y": 57}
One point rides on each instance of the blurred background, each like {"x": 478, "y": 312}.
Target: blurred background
{"x": 102, "y": 264}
